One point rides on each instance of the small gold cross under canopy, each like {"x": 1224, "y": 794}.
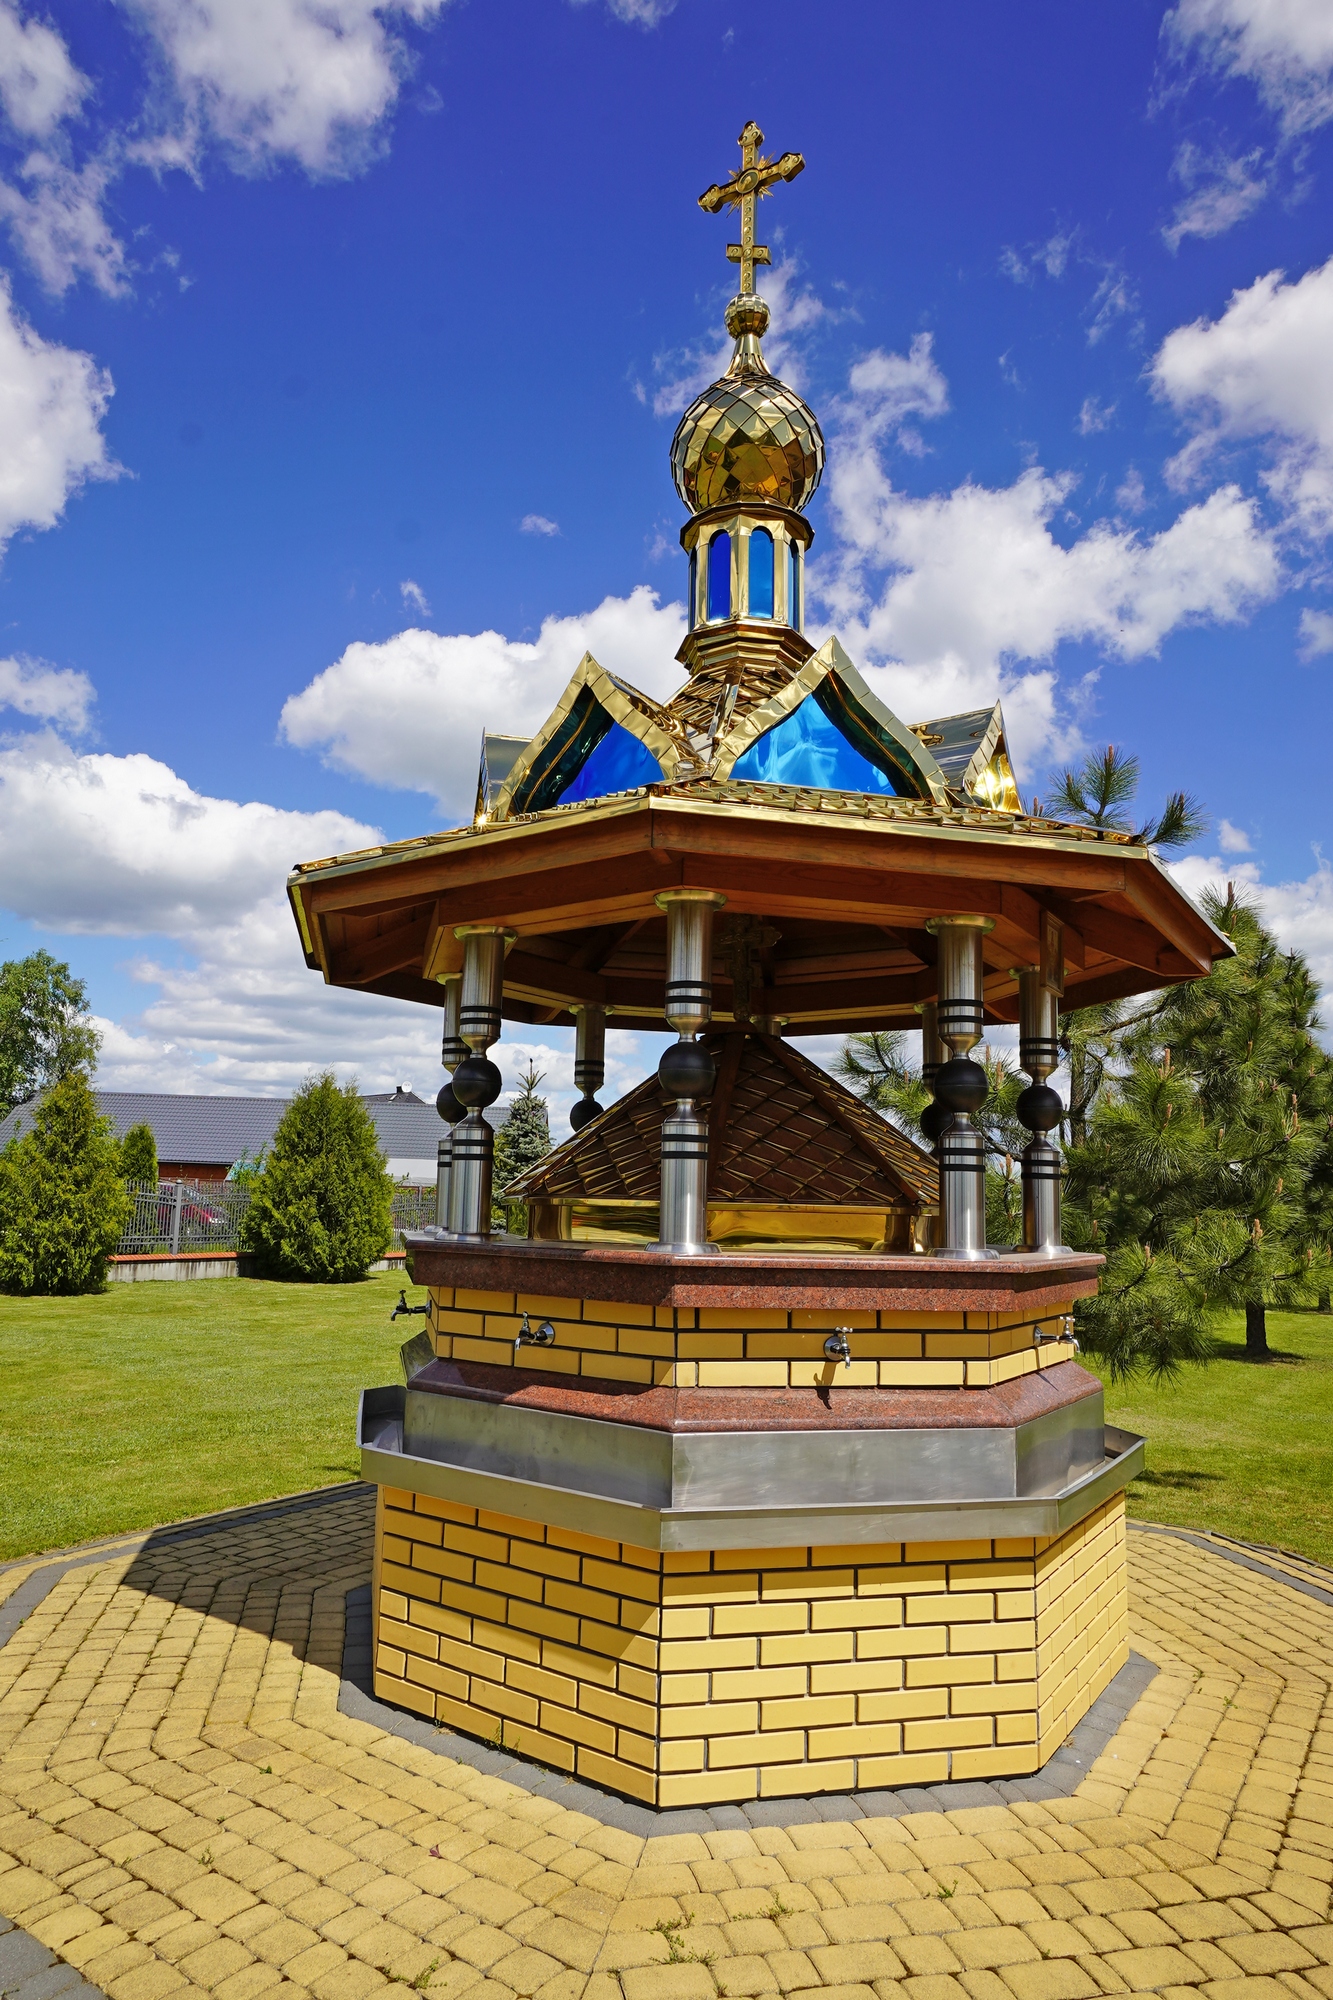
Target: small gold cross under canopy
{"x": 757, "y": 177}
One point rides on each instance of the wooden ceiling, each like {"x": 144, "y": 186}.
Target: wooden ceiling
{"x": 842, "y": 900}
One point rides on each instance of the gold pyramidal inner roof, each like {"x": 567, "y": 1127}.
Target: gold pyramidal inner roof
{"x": 781, "y": 1133}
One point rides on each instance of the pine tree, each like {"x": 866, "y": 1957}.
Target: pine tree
{"x": 63, "y": 1204}
{"x": 320, "y": 1208}
{"x": 523, "y": 1139}
{"x": 1205, "y": 1173}
{"x": 138, "y": 1154}
{"x": 878, "y": 1068}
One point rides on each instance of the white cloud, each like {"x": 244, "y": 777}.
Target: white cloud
{"x": 303, "y": 80}
{"x": 1052, "y": 256}
{"x": 59, "y": 225}
{"x": 1220, "y": 192}
{"x": 48, "y": 694}
{"x": 1316, "y": 632}
{"x": 121, "y": 845}
{"x": 1233, "y": 839}
{"x": 1131, "y": 494}
{"x": 409, "y": 711}
{"x": 1263, "y": 371}
{"x": 414, "y": 596}
{"x": 1114, "y": 297}
{"x": 538, "y": 524}
{"x": 52, "y": 401}
{"x": 1300, "y": 912}
{"x": 1284, "y": 47}
{"x": 39, "y": 85}
{"x": 793, "y": 308}
{"x": 1094, "y": 416}
{"x": 640, "y": 13}
{"x": 952, "y": 593}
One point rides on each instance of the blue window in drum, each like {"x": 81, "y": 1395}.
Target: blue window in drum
{"x": 719, "y": 576}
{"x": 793, "y": 586}
{"x": 761, "y": 573}
{"x": 692, "y": 609}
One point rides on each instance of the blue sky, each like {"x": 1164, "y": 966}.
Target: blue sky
{"x": 340, "y": 356}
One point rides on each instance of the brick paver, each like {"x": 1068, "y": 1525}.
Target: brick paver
{"x": 184, "y": 1809}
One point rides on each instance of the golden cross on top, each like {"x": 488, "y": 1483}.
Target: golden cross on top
{"x": 756, "y": 178}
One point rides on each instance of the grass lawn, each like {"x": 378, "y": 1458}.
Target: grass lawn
{"x": 1239, "y": 1446}
{"x": 150, "y": 1402}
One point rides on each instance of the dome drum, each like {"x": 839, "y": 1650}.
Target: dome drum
{"x": 746, "y": 563}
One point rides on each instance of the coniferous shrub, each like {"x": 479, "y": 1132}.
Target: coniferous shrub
{"x": 138, "y": 1154}
{"x": 319, "y": 1210}
{"x": 63, "y": 1204}
{"x": 523, "y": 1139}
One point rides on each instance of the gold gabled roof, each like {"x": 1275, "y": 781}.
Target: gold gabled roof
{"x": 781, "y": 1132}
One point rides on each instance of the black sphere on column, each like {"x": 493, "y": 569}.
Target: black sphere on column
{"x": 935, "y": 1122}
{"x": 584, "y": 1112}
{"x": 477, "y": 1083}
{"x": 961, "y": 1085}
{"x": 1039, "y": 1108}
{"x": 686, "y": 1070}
{"x": 448, "y": 1105}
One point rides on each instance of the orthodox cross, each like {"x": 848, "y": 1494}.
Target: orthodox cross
{"x": 757, "y": 177}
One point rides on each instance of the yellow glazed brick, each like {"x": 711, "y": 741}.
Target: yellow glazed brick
{"x": 547, "y": 1561}
{"x": 710, "y": 1346}
{"x": 613, "y": 1771}
{"x": 809, "y": 1712}
{"x": 411, "y": 1582}
{"x": 618, "y": 1644}
{"x": 853, "y": 1613}
{"x": 711, "y": 1788}
{"x": 773, "y": 1748}
{"x": 807, "y": 1584}
{"x": 902, "y": 1705}
{"x": 834, "y": 1375}
{"x": 954, "y": 1670}
{"x": 646, "y": 1340}
{"x": 841, "y": 1676}
{"x": 962, "y": 1733}
{"x": 679, "y": 1655}
{"x": 581, "y": 1335}
{"x": 459, "y": 1322}
{"x": 783, "y": 1649}
{"x": 492, "y": 1352}
{"x": 924, "y": 1322}
{"x": 957, "y": 1606}
{"x": 619, "y": 1367}
{"x": 736, "y": 1318}
{"x": 621, "y": 1577}
{"x": 742, "y": 1374}
{"x": 684, "y": 1688}
{"x": 685, "y": 1755}
{"x": 738, "y": 1685}
{"x": 538, "y": 1307}
{"x": 781, "y": 1781}
{"x": 956, "y": 1346}
{"x": 923, "y": 1769}
{"x": 392, "y": 1604}
{"x": 496, "y": 1302}
{"x": 781, "y": 1617}
{"x": 922, "y": 1374}
{"x": 617, "y": 1315}
{"x": 414, "y": 1527}
{"x": 880, "y": 1738}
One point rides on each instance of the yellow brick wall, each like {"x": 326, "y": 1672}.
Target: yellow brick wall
{"x": 703, "y": 1678}
{"x": 1082, "y": 1619}
{"x": 743, "y": 1348}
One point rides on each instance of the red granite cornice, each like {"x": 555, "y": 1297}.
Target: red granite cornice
{"x": 753, "y": 1279}
{"x": 686, "y": 1410}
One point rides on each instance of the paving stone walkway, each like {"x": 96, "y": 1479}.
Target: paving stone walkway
{"x": 185, "y": 1808}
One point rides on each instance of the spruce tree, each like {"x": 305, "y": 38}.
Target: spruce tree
{"x": 63, "y": 1204}
{"x": 138, "y": 1154}
{"x": 320, "y": 1208}
{"x": 523, "y": 1139}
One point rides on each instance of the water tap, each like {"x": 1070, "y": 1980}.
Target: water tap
{"x": 403, "y": 1309}
{"x": 543, "y": 1337}
{"x": 836, "y": 1346}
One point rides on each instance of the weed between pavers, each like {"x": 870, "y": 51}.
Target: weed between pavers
{"x": 667, "y": 1927}
{"x": 419, "y": 1984}
{"x": 946, "y": 1894}
{"x": 777, "y": 1908}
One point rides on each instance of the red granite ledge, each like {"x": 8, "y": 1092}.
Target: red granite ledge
{"x": 663, "y": 1408}
{"x": 754, "y": 1280}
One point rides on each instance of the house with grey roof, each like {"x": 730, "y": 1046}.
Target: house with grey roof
{"x": 202, "y": 1138}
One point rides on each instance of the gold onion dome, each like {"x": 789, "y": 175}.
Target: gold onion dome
{"x": 747, "y": 438}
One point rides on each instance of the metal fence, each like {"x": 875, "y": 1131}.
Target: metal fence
{"x": 171, "y": 1217}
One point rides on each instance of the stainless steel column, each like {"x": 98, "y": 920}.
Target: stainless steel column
{"x": 960, "y": 1085}
{"x": 589, "y": 1060}
{"x": 686, "y": 1071}
{"x": 452, "y": 1051}
{"x": 1040, "y": 1109}
{"x": 477, "y": 1081}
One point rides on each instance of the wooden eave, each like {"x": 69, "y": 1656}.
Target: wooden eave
{"x": 853, "y": 889}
